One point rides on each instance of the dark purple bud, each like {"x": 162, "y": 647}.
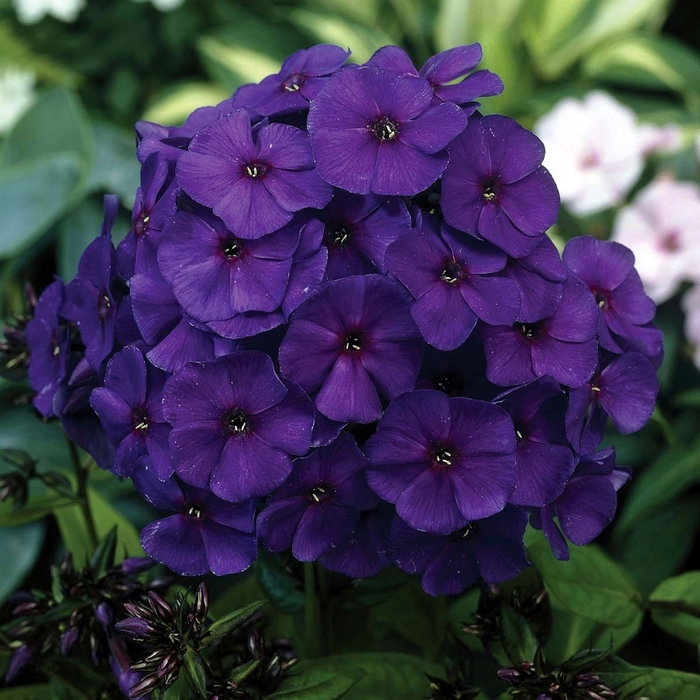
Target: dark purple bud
{"x": 76, "y": 617}
{"x": 144, "y": 686}
{"x": 27, "y": 608}
{"x": 68, "y": 639}
{"x": 104, "y": 614}
{"x": 161, "y": 608}
{"x": 66, "y": 568}
{"x": 20, "y": 658}
{"x": 201, "y": 602}
{"x": 136, "y": 610}
{"x": 135, "y": 629}
{"x": 136, "y": 565}
{"x": 587, "y": 680}
{"x": 509, "y": 674}
{"x": 169, "y": 664}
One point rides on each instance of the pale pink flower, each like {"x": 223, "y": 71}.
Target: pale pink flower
{"x": 662, "y": 227}
{"x": 691, "y": 307}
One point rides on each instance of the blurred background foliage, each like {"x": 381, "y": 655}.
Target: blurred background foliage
{"x": 83, "y": 84}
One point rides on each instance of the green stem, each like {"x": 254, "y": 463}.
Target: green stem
{"x": 311, "y": 612}
{"x": 326, "y": 613}
{"x": 81, "y": 475}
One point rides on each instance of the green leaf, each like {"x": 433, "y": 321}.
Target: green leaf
{"x": 590, "y": 584}
{"x": 19, "y": 549}
{"x": 227, "y": 624}
{"x": 518, "y": 639}
{"x": 316, "y": 684}
{"x": 196, "y": 674}
{"x": 177, "y": 102}
{"x": 687, "y": 399}
{"x": 115, "y": 168}
{"x": 388, "y": 676}
{"x": 678, "y": 621}
{"x": 103, "y": 557}
{"x": 278, "y": 586}
{"x": 33, "y": 197}
{"x": 650, "y": 62}
{"x": 666, "y": 478}
{"x": 27, "y": 692}
{"x": 632, "y": 681}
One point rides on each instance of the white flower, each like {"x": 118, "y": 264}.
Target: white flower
{"x": 691, "y": 307}
{"x": 594, "y": 150}
{"x": 16, "y": 94}
{"x": 164, "y": 5}
{"x": 662, "y": 227}
{"x": 32, "y": 11}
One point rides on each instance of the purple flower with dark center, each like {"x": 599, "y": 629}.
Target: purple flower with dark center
{"x": 357, "y": 230}
{"x": 92, "y": 302}
{"x": 374, "y": 131}
{"x": 607, "y": 269}
{"x": 442, "y": 461}
{"x": 446, "y": 273}
{"x": 130, "y": 409}
{"x": 215, "y": 275}
{"x": 365, "y": 553}
{"x": 460, "y": 372}
{"x": 587, "y": 505}
{"x": 563, "y": 345}
{"x": 490, "y": 549}
{"x": 349, "y": 342}
{"x": 301, "y": 77}
{"x": 625, "y": 388}
{"x": 318, "y": 507}
{"x": 204, "y": 534}
{"x": 48, "y": 339}
{"x": 154, "y": 204}
{"x": 543, "y": 459}
{"x": 495, "y": 186}
{"x": 540, "y": 277}
{"x": 253, "y": 181}
{"x": 442, "y": 70}
{"x": 236, "y": 425}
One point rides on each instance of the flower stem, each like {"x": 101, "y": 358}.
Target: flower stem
{"x": 81, "y": 475}
{"x": 326, "y": 631}
{"x": 311, "y": 612}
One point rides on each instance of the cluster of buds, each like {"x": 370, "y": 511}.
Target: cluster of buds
{"x": 14, "y": 352}
{"x": 14, "y": 484}
{"x": 78, "y": 611}
{"x": 167, "y": 632}
{"x": 530, "y": 681}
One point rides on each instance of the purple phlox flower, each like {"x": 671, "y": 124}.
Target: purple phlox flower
{"x": 442, "y": 461}
{"x": 442, "y": 70}
{"x": 120, "y": 664}
{"x": 318, "y": 507}
{"x": 48, "y": 339}
{"x": 253, "y": 181}
{"x": 357, "y": 230}
{"x": 204, "y": 534}
{"x": 306, "y": 272}
{"x": 130, "y": 409}
{"x": 154, "y": 204}
{"x": 325, "y": 430}
{"x": 82, "y": 426}
{"x": 460, "y": 372}
{"x": 495, "y": 186}
{"x": 490, "y": 549}
{"x": 540, "y": 277}
{"x": 236, "y": 425}
{"x": 375, "y": 131}
{"x": 365, "y": 553}
{"x": 607, "y": 269}
{"x": 447, "y": 273}
{"x": 91, "y": 297}
{"x": 301, "y": 77}
{"x": 587, "y": 505}
{"x": 543, "y": 458}
{"x": 562, "y": 345}
{"x": 349, "y": 342}
{"x": 215, "y": 275}
{"x": 175, "y": 338}
{"x": 625, "y": 388}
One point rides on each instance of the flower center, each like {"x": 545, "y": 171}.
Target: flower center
{"x": 530, "y": 330}
{"x": 236, "y": 422}
{"x": 443, "y": 456}
{"x": 255, "y": 170}
{"x": 104, "y": 307}
{"x": 670, "y": 242}
{"x": 452, "y": 273}
{"x": 195, "y": 512}
{"x": 384, "y": 129}
{"x": 601, "y": 298}
{"x": 466, "y": 531}
{"x": 141, "y": 223}
{"x": 490, "y": 190}
{"x": 231, "y": 249}
{"x": 140, "y": 419}
{"x": 319, "y": 493}
{"x": 352, "y": 343}
{"x": 445, "y": 383}
{"x": 336, "y": 234}
{"x": 293, "y": 82}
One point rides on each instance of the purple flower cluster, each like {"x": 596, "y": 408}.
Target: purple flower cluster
{"x": 338, "y": 326}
